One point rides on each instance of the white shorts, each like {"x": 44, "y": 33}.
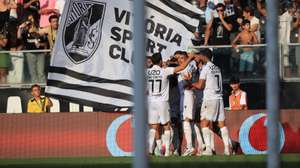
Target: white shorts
{"x": 188, "y": 105}
{"x": 158, "y": 112}
{"x": 213, "y": 110}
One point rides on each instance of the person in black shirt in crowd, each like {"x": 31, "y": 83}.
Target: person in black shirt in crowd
{"x": 29, "y": 7}
{"x": 218, "y": 33}
{"x": 28, "y": 34}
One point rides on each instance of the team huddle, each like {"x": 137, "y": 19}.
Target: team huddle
{"x": 195, "y": 71}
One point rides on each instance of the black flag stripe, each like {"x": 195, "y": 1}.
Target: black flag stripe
{"x": 87, "y": 78}
{"x": 185, "y": 24}
{"x": 90, "y": 89}
{"x": 181, "y": 9}
{"x": 96, "y": 105}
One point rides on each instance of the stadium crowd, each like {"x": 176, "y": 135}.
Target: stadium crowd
{"x": 243, "y": 22}
{"x": 27, "y": 25}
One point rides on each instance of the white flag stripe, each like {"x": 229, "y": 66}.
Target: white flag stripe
{"x": 89, "y": 96}
{"x": 184, "y": 18}
{"x": 108, "y": 86}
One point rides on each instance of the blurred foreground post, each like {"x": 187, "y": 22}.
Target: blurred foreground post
{"x": 272, "y": 78}
{"x": 140, "y": 122}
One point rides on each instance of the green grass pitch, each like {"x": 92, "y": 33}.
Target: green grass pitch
{"x": 241, "y": 161}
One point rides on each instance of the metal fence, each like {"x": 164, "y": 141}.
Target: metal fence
{"x": 27, "y": 67}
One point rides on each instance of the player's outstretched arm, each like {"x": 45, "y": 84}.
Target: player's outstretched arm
{"x": 199, "y": 85}
{"x": 181, "y": 67}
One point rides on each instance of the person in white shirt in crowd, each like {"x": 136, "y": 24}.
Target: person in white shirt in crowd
{"x": 158, "y": 97}
{"x": 248, "y": 13}
{"x": 212, "y": 109}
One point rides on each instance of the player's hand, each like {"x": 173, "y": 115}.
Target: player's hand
{"x": 191, "y": 55}
{"x": 221, "y": 15}
{"x": 234, "y": 46}
{"x": 187, "y": 76}
{"x": 196, "y": 34}
{"x": 200, "y": 65}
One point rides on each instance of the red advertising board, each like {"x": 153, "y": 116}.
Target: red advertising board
{"x": 110, "y": 134}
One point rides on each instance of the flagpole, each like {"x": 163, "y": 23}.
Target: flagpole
{"x": 272, "y": 84}
{"x": 140, "y": 110}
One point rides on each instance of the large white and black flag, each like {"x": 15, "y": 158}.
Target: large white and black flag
{"x": 92, "y": 59}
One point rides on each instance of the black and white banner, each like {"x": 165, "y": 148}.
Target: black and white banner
{"x": 92, "y": 58}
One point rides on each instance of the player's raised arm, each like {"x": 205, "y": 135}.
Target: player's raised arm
{"x": 199, "y": 85}
{"x": 181, "y": 67}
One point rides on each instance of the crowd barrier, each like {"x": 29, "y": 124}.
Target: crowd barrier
{"x": 95, "y": 134}
{"x": 21, "y": 75}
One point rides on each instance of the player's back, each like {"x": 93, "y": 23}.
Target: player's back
{"x": 213, "y": 81}
{"x": 158, "y": 83}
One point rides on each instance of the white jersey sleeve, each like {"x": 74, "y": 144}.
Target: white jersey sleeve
{"x": 203, "y": 74}
{"x": 243, "y": 100}
{"x": 169, "y": 71}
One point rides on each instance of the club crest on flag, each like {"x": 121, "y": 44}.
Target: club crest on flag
{"x": 82, "y": 29}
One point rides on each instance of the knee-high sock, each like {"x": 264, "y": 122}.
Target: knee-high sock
{"x": 207, "y": 137}
{"x": 225, "y": 136}
{"x": 198, "y": 136}
{"x": 175, "y": 137}
{"x": 151, "y": 139}
{"x": 212, "y": 140}
{"x": 188, "y": 134}
{"x": 167, "y": 140}
{"x": 158, "y": 144}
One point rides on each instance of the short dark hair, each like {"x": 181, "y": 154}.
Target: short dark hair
{"x": 205, "y": 52}
{"x": 220, "y": 5}
{"x": 234, "y": 80}
{"x": 181, "y": 53}
{"x": 53, "y": 17}
{"x": 156, "y": 58}
{"x": 249, "y": 10}
{"x": 245, "y": 21}
{"x": 35, "y": 85}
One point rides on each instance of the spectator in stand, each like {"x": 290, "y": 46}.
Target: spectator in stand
{"x": 4, "y": 15}
{"x": 28, "y": 33}
{"x": 285, "y": 27}
{"x": 200, "y": 31}
{"x": 210, "y": 11}
{"x": 246, "y": 37}
{"x": 218, "y": 33}
{"x": 238, "y": 98}
{"x": 47, "y": 8}
{"x": 38, "y": 104}
{"x": 29, "y": 7}
{"x": 5, "y": 60}
{"x": 260, "y": 5}
{"x": 232, "y": 12}
{"x": 59, "y": 5}
{"x": 51, "y": 30}
{"x": 248, "y": 14}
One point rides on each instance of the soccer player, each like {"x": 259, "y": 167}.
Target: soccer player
{"x": 187, "y": 110}
{"x": 158, "y": 96}
{"x": 212, "y": 109}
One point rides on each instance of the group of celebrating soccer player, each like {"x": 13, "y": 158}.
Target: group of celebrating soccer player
{"x": 195, "y": 72}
